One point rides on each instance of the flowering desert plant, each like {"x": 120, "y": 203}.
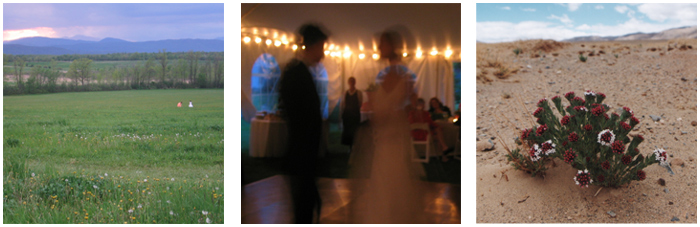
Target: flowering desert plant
{"x": 586, "y": 137}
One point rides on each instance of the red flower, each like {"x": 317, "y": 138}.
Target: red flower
{"x": 618, "y": 147}
{"x": 615, "y": 115}
{"x": 579, "y": 99}
{"x": 626, "y": 159}
{"x": 565, "y": 120}
{"x": 634, "y": 120}
{"x": 564, "y": 143}
{"x": 606, "y": 116}
{"x": 556, "y": 97}
{"x": 580, "y": 108}
{"x": 601, "y": 178}
{"x": 541, "y": 102}
{"x": 628, "y": 110}
{"x": 541, "y": 129}
{"x": 601, "y": 95}
{"x": 569, "y": 95}
{"x": 538, "y": 112}
{"x": 597, "y": 111}
{"x": 573, "y": 137}
{"x": 641, "y": 174}
{"x": 569, "y": 156}
{"x": 525, "y": 134}
{"x": 625, "y": 126}
{"x": 605, "y": 165}
{"x": 588, "y": 127}
{"x": 640, "y": 137}
{"x": 583, "y": 178}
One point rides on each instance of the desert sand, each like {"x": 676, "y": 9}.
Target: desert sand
{"x": 661, "y": 81}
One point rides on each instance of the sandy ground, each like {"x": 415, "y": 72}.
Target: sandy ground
{"x": 659, "y": 82}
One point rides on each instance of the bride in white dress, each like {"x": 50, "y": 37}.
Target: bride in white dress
{"x": 392, "y": 193}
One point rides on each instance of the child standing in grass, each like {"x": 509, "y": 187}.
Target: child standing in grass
{"x": 191, "y": 103}
{"x": 179, "y": 104}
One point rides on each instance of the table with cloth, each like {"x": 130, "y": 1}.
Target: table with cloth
{"x": 268, "y": 138}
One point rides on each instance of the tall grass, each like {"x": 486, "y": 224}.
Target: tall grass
{"x": 92, "y": 157}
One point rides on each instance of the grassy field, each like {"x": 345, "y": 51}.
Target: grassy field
{"x": 114, "y": 157}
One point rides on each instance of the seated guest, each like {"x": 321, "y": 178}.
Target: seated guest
{"x": 419, "y": 115}
{"x": 438, "y": 111}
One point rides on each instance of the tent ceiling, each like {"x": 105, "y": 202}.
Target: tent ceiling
{"x": 431, "y": 25}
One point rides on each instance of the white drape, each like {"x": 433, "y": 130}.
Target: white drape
{"x": 435, "y": 76}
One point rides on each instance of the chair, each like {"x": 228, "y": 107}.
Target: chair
{"x": 458, "y": 149}
{"x": 426, "y": 143}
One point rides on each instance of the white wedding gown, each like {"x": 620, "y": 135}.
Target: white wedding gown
{"x": 392, "y": 193}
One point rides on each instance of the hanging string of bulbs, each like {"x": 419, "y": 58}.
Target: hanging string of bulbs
{"x": 276, "y": 38}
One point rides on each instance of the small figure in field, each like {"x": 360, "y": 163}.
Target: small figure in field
{"x": 179, "y": 104}
{"x": 191, "y": 103}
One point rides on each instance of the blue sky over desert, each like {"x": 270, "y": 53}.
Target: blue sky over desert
{"x": 505, "y": 22}
{"x": 132, "y": 22}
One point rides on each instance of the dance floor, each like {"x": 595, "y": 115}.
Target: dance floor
{"x": 267, "y": 201}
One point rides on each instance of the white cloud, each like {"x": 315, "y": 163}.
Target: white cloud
{"x": 564, "y": 19}
{"x": 506, "y": 8}
{"x": 583, "y": 27}
{"x": 621, "y": 8}
{"x": 599, "y": 7}
{"x": 574, "y": 6}
{"x": 684, "y": 13}
{"x": 529, "y": 10}
{"x": 497, "y": 31}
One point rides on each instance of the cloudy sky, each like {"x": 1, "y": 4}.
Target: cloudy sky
{"x": 132, "y": 22}
{"x": 505, "y": 22}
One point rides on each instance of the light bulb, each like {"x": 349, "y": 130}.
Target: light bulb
{"x": 434, "y": 52}
{"x": 326, "y": 52}
{"x": 362, "y": 56}
{"x": 294, "y": 47}
{"x": 258, "y": 40}
{"x": 277, "y": 43}
{"x": 375, "y": 56}
{"x": 405, "y": 54}
{"x": 246, "y": 39}
{"x": 448, "y": 53}
{"x": 268, "y": 42}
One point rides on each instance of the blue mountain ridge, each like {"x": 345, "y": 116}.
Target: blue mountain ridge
{"x": 53, "y": 46}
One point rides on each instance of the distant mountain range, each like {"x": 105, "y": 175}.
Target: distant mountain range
{"x": 78, "y": 45}
{"x": 674, "y": 33}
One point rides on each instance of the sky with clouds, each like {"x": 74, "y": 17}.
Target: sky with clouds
{"x": 133, "y": 22}
{"x": 506, "y": 22}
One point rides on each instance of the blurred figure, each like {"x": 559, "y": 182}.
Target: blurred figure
{"x": 350, "y": 109}
{"x": 419, "y": 115}
{"x": 179, "y": 104}
{"x": 439, "y": 111}
{"x": 300, "y": 105}
{"x": 191, "y": 103}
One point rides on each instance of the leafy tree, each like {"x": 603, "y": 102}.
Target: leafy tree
{"x": 80, "y": 71}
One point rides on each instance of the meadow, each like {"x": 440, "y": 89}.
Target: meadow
{"x": 114, "y": 157}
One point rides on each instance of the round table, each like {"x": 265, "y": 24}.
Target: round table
{"x": 268, "y": 138}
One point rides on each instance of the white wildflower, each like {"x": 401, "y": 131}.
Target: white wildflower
{"x": 606, "y": 139}
{"x": 33, "y": 175}
{"x": 660, "y": 155}
{"x": 139, "y": 206}
{"x": 172, "y": 213}
{"x": 95, "y": 186}
{"x": 204, "y": 212}
{"x": 208, "y": 221}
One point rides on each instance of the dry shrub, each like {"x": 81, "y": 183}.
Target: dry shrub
{"x": 489, "y": 60}
{"x": 548, "y": 45}
{"x": 555, "y": 54}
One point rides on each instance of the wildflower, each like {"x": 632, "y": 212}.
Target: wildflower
{"x": 33, "y": 175}
{"x": 601, "y": 178}
{"x": 641, "y": 174}
{"x": 535, "y": 152}
{"x": 541, "y": 129}
{"x": 565, "y": 120}
{"x": 628, "y": 110}
{"x": 569, "y": 156}
{"x": 564, "y": 143}
{"x": 208, "y": 221}
{"x": 569, "y": 95}
{"x": 573, "y": 137}
{"x": 588, "y": 127}
{"x": 66, "y": 180}
{"x": 131, "y": 210}
{"x": 634, "y": 120}
{"x": 640, "y": 137}
{"x": 626, "y": 159}
{"x": 625, "y": 126}
{"x": 172, "y": 179}
{"x": 606, "y": 137}
{"x": 579, "y": 100}
{"x": 597, "y": 111}
{"x": 139, "y": 206}
{"x": 95, "y": 186}
{"x": 606, "y": 116}
{"x": 145, "y": 180}
{"x": 583, "y": 178}
{"x": 172, "y": 213}
{"x": 167, "y": 201}
{"x": 605, "y": 165}
{"x": 555, "y": 98}
{"x": 540, "y": 121}
{"x": 106, "y": 174}
{"x": 548, "y": 147}
{"x": 538, "y": 112}
{"x": 589, "y": 92}
{"x": 580, "y": 108}
{"x": 217, "y": 188}
{"x": 601, "y": 95}
{"x": 660, "y": 155}
{"x": 541, "y": 102}
{"x": 204, "y": 212}
{"x": 618, "y": 147}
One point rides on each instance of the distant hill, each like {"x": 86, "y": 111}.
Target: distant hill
{"x": 687, "y": 32}
{"x": 53, "y": 46}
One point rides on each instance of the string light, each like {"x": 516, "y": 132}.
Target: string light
{"x": 294, "y": 47}
{"x": 258, "y": 40}
{"x": 434, "y": 52}
{"x": 327, "y": 52}
{"x": 303, "y": 47}
{"x": 331, "y": 47}
{"x": 347, "y": 54}
{"x": 246, "y": 39}
{"x": 418, "y": 53}
{"x": 405, "y": 54}
{"x": 375, "y": 56}
{"x": 448, "y": 53}
{"x": 285, "y": 42}
{"x": 362, "y": 56}
{"x": 268, "y": 42}
{"x": 277, "y": 43}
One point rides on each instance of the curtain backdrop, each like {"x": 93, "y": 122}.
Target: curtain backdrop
{"x": 435, "y": 74}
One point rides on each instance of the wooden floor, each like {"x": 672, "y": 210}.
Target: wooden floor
{"x": 267, "y": 201}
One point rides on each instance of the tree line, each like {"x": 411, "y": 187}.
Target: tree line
{"x": 191, "y": 70}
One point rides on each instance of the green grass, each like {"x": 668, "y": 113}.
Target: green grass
{"x": 65, "y": 65}
{"x": 155, "y": 155}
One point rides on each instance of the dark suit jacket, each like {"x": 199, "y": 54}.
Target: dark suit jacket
{"x": 301, "y": 107}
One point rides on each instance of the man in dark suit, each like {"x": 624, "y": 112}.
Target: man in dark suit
{"x": 301, "y": 108}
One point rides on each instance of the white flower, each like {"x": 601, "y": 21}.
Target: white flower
{"x": 95, "y": 186}
{"x": 205, "y": 175}
{"x": 167, "y": 188}
{"x": 167, "y": 201}
{"x": 591, "y": 93}
{"x": 204, "y": 212}
{"x": 172, "y": 213}
{"x": 172, "y": 179}
{"x": 660, "y": 155}
{"x": 120, "y": 177}
{"x": 33, "y": 174}
{"x": 606, "y": 143}
{"x": 106, "y": 174}
{"x": 535, "y": 153}
{"x": 550, "y": 151}
{"x": 139, "y": 206}
{"x": 66, "y": 180}
{"x": 208, "y": 221}
{"x": 131, "y": 210}
{"x": 217, "y": 188}
{"x": 145, "y": 180}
